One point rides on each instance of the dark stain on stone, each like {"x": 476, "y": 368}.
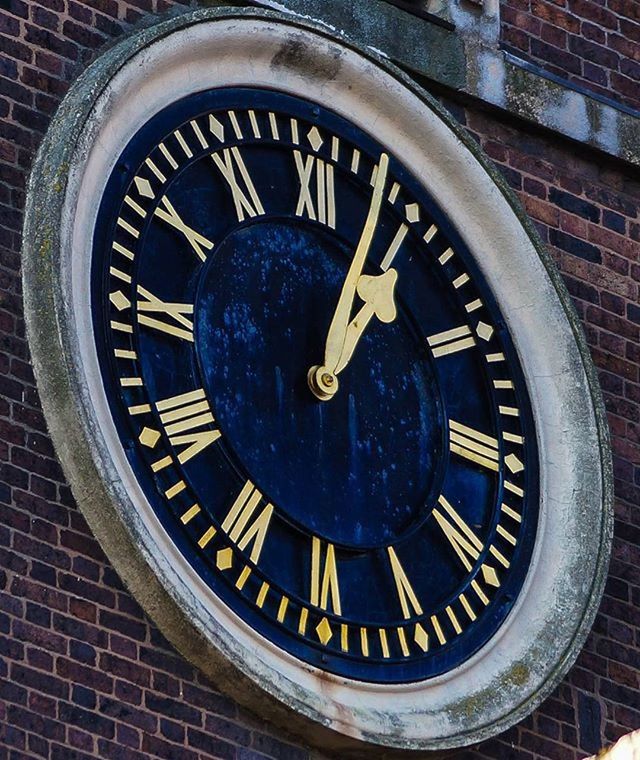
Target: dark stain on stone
{"x": 296, "y": 54}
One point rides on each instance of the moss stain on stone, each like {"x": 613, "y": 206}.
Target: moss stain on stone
{"x": 471, "y": 707}
{"x": 61, "y": 177}
{"x": 44, "y": 249}
{"x": 525, "y": 95}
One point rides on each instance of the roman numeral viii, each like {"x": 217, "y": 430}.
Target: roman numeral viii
{"x": 245, "y": 199}
{"x": 173, "y": 319}
{"x": 318, "y": 203}
{"x": 181, "y": 417}
{"x": 324, "y": 576}
{"x": 245, "y": 524}
{"x": 474, "y": 446}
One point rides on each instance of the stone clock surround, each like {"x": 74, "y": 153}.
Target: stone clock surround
{"x": 539, "y": 641}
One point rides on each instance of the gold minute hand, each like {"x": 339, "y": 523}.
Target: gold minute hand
{"x": 338, "y": 328}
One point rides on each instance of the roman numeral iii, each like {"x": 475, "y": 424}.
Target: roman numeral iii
{"x": 181, "y": 416}
{"x": 173, "y": 321}
{"x": 474, "y": 446}
{"x": 317, "y": 191}
{"x": 245, "y": 200}
{"x": 198, "y": 242}
{"x": 324, "y": 576}
{"x": 242, "y": 526}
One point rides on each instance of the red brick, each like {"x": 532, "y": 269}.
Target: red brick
{"x": 581, "y": 40}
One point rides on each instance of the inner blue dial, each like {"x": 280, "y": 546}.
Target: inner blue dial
{"x": 373, "y": 452}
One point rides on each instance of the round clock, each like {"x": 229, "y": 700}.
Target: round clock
{"x": 314, "y": 385}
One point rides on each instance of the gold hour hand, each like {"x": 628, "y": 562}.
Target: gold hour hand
{"x": 322, "y": 379}
{"x": 377, "y": 294}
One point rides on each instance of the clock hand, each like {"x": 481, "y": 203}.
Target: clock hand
{"x": 338, "y": 327}
{"x": 322, "y": 380}
{"x": 377, "y": 294}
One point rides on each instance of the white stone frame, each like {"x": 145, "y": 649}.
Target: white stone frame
{"x": 542, "y": 635}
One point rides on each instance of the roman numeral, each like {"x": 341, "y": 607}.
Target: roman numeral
{"x": 251, "y": 205}
{"x": 181, "y": 416}
{"x": 393, "y": 248}
{"x": 474, "y": 446}
{"x": 175, "y": 322}
{"x": 451, "y": 341}
{"x": 406, "y": 594}
{"x": 324, "y": 577}
{"x": 319, "y": 205}
{"x": 168, "y": 214}
{"x": 463, "y": 540}
{"x": 242, "y": 527}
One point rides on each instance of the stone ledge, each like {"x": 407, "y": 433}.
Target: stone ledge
{"x": 468, "y": 61}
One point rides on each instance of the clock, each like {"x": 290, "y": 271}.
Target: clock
{"x": 324, "y": 401}
{"x": 314, "y": 385}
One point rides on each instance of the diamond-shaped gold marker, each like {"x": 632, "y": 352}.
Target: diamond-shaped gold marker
{"x": 412, "y": 211}
{"x": 484, "y": 330}
{"x": 119, "y": 300}
{"x": 149, "y": 437}
{"x": 144, "y": 187}
{"x": 490, "y": 576}
{"x": 421, "y": 637}
{"x": 314, "y": 138}
{"x": 224, "y": 558}
{"x": 513, "y": 463}
{"x": 323, "y": 629}
{"x": 216, "y": 127}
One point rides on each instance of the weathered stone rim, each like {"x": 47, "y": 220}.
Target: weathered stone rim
{"x": 43, "y": 298}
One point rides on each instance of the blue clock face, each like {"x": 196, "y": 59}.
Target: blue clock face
{"x": 314, "y": 385}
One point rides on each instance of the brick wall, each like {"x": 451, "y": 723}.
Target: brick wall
{"x": 595, "y": 43}
{"x": 83, "y": 672}
{"x": 587, "y": 211}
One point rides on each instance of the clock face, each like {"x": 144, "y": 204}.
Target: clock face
{"x": 314, "y": 385}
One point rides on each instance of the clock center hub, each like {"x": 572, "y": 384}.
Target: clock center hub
{"x": 361, "y": 471}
